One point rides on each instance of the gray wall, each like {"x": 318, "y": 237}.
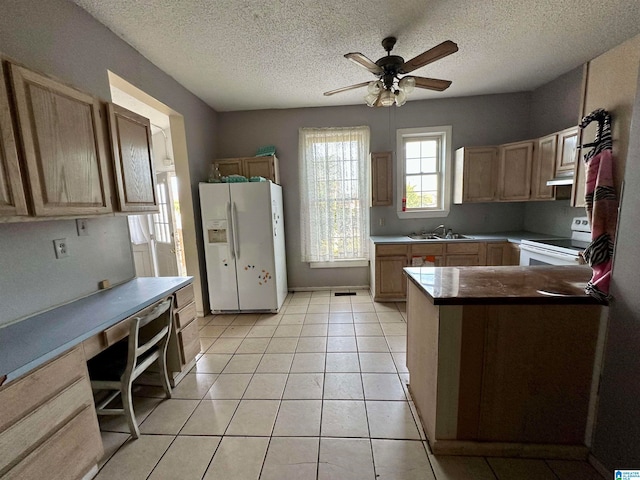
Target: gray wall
{"x": 480, "y": 120}
{"x": 33, "y": 280}
{"x": 617, "y": 432}
{"x": 58, "y": 38}
{"x": 554, "y": 107}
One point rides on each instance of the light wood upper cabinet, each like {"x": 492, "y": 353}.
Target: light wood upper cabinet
{"x": 63, "y": 143}
{"x": 266, "y": 167}
{"x": 134, "y": 174}
{"x": 514, "y": 180}
{"x": 567, "y": 152}
{"x": 544, "y": 166}
{"x": 12, "y": 198}
{"x": 381, "y": 179}
{"x": 475, "y": 174}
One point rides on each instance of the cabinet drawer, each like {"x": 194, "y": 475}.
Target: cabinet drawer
{"x": 19, "y": 397}
{"x": 386, "y": 250}
{"x": 189, "y": 341}
{"x": 463, "y": 247}
{"x": 69, "y": 453}
{"x": 94, "y": 345}
{"x": 117, "y": 332}
{"x": 185, "y": 315}
{"x": 21, "y": 438}
{"x": 427, "y": 249}
{"x": 184, "y": 296}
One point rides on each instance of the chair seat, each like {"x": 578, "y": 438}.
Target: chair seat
{"x": 111, "y": 364}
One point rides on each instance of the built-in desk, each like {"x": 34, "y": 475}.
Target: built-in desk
{"x": 48, "y": 425}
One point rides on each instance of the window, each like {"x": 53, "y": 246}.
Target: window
{"x": 424, "y": 172}
{"x": 334, "y": 196}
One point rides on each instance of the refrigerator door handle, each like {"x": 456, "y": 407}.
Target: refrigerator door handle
{"x": 236, "y": 243}
{"x": 230, "y": 235}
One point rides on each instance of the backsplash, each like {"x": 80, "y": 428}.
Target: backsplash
{"x": 33, "y": 280}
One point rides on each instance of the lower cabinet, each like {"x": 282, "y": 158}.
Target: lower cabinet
{"x": 184, "y": 347}
{"x": 388, "y": 282}
{"x": 48, "y": 425}
{"x": 388, "y": 279}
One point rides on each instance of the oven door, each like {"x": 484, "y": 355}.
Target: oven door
{"x": 531, "y": 255}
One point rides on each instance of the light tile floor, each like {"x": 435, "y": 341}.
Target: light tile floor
{"x": 317, "y": 391}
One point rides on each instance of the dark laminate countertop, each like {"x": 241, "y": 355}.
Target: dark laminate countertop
{"x": 31, "y": 342}
{"x": 563, "y": 285}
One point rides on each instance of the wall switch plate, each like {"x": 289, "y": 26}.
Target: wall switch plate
{"x": 61, "y": 248}
{"x": 82, "y": 227}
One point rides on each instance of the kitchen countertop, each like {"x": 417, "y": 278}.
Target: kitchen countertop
{"x": 552, "y": 285}
{"x": 513, "y": 237}
{"x": 31, "y": 342}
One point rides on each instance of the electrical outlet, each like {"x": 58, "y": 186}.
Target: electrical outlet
{"x": 61, "y": 248}
{"x": 82, "y": 227}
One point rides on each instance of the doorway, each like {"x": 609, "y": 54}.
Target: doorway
{"x": 163, "y": 244}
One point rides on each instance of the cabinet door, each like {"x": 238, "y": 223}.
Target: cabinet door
{"x": 12, "y": 199}
{"x": 390, "y": 280}
{"x": 514, "y": 179}
{"x": 567, "y": 152}
{"x": 229, "y": 166}
{"x": 479, "y": 174}
{"x": 135, "y": 178}
{"x": 498, "y": 254}
{"x": 544, "y": 166}
{"x": 63, "y": 140}
{"x": 381, "y": 179}
{"x": 260, "y": 167}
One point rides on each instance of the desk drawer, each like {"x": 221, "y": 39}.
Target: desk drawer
{"x": 117, "y": 332}
{"x": 28, "y": 392}
{"x": 21, "y": 438}
{"x": 189, "y": 342}
{"x": 69, "y": 453}
{"x": 185, "y": 315}
{"x": 184, "y": 296}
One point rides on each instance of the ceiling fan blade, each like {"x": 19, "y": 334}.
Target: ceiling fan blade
{"x": 365, "y": 62}
{"x": 432, "y": 83}
{"x": 436, "y": 53}
{"x": 344, "y": 89}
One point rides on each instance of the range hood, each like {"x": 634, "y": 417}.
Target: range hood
{"x": 565, "y": 179}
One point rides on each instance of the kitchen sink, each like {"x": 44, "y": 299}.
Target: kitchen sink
{"x": 434, "y": 236}
{"x": 424, "y": 236}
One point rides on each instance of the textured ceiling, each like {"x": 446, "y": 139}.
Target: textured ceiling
{"x": 257, "y": 54}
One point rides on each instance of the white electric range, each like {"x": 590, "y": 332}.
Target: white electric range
{"x": 558, "y": 251}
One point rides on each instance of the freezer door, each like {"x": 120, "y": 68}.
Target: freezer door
{"x": 215, "y": 205}
{"x": 251, "y": 210}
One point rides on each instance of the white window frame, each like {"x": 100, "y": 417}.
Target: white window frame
{"x": 324, "y": 261}
{"x": 444, "y": 133}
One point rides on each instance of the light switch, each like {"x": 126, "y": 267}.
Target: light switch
{"x": 82, "y": 227}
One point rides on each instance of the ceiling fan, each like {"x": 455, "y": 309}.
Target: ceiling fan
{"x": 390, "y": 88}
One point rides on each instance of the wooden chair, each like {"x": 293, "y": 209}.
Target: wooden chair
{"x": 118, "y": 366}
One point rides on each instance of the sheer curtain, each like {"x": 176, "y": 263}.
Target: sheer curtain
{"x": 334, "y": 194}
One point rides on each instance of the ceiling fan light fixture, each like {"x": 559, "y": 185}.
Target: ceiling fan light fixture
{"x": 387, "y": 98}
{"x": 408, "y": 84}
{"x": 375, "y": 87}
{"x": 401, "y": 98}
{"x": 371, "y": 99}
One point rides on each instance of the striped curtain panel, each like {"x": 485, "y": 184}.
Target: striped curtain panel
{"x": 334, "y": 194}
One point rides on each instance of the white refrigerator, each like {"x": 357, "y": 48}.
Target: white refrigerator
{"x": 244, "y": 247}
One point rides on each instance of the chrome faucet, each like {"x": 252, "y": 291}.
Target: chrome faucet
{"x": 441, "y": 226}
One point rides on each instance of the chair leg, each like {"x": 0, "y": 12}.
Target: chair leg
{"x": 164, "y": 375}
{"x": 127, "y": 405}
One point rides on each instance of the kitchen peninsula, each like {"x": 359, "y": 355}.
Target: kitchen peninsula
{"x": 501, "y": 358}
